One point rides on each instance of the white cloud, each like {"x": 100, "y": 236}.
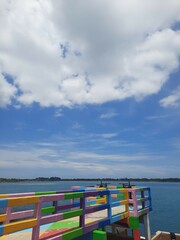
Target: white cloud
{"x": 66, "y": 53}
{"x": 76, "y": 125}
{"x": 24, "y": 157}
{"x": 7, "y": 92}
{"x": 108, "y": 115}
{"x": 107, "y": 135}
{"x": 156, "y": 117}
{"x": 176, "y": 143}
{"x": 173, "y": 100}
{"x": 68, "y": 157}
{"x": 111, "y": 158}
{"x": 58, "y": 113}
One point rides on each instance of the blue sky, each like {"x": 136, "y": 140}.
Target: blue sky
{"x": 90, "y": 93}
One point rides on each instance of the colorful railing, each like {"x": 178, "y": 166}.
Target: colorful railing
{"x": 139, "y": 206}
{"x": 140, "y": 201}
{"x": 48, "y": 207}
{"x": 139, "y": 198}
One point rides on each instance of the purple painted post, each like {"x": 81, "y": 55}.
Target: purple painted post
{"x": 37, "y": 215}
{"x": 135, "y": 208}
{"x": 8, "y": 215}
{"x": 82, "y": 206}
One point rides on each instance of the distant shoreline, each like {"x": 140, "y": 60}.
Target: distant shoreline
{"x": 54, "y": 179}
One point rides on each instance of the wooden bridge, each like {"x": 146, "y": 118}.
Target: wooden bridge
{"x": 87, "y": 213}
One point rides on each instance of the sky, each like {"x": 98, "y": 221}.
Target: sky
{"x": 90, "y": 89}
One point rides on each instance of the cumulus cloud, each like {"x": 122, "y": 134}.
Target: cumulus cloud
{"x": 7, "y": 92}
{"x": 173, "y": 100}
{"x": 66, "y": 53}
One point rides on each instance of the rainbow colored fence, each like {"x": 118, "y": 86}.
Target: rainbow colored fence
{"x": 72, "y": 214}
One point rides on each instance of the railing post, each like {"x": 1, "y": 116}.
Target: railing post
{"x": 126, "y": 197}
{"x": 149, "y": 195}
{"x": 109, "y": 205}
{"x": 55, "y": 204}
{"x": 136, "y": 233}
{"x": 82, "y": 206}
{"x": 147, "y": 226}
{"x": 8, "y": 214}
{"x": 135, "y": 207}
{"x": 142, "y": 196}
{"x": 37, "y": 215}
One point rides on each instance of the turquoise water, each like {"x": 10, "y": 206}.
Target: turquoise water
{"x": 165, "y": 199}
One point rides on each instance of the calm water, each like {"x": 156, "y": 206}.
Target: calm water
{"x": 165, "y": 199}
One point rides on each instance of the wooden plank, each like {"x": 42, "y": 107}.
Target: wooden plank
{"x": 3, "y": 195}
{"x": 165, "y": 236}
{"x": 13, "y": 202}
{"x": 2, "y": 217}
{"x": 21, "y": 225}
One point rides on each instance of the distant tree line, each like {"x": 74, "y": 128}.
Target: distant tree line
{"x": 53, "y": 179}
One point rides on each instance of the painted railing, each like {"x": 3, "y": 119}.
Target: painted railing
{"x": 62, "y": 206}
{"x": 139, "y": 206}
{"x": 140, "y": 201}
{"x": 139, "y": 197}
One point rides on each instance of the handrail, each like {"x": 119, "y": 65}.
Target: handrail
{"x": 69, "y": 204}
{"x": 140, "y": 201}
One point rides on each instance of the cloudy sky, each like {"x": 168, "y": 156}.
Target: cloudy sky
{"x": 90, "y": 88}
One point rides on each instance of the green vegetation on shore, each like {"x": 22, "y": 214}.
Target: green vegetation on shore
{"x": 53, "y": 179}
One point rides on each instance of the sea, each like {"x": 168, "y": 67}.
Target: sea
{"x": 165, "y": 215}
